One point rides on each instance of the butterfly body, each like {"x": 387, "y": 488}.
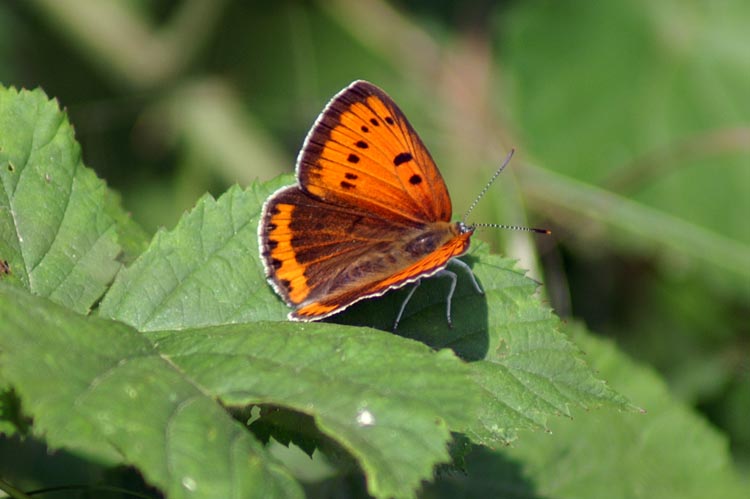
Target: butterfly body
{"x": 370, "y": 211}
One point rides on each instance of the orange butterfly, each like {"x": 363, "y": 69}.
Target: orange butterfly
{"x": 370, "y": 211}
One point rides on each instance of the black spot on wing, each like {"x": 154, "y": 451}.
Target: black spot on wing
{"x": 402, "y": 158}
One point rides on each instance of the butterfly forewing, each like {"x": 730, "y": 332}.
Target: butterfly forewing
{"x": 362, "y": 151}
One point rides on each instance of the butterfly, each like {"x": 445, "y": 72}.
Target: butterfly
{"x": 370, "y": 212}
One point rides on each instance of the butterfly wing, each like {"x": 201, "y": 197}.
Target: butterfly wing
{"x": 363, "y": 152}
{"x": 321, "y": 257}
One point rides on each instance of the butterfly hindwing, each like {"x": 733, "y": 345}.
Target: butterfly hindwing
{"x": 321, "y": 257}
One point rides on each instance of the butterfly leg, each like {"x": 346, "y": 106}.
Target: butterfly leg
{"x": 403, "y": 305}
{"x": 466, "y": 267}
{"x": 448, "y": 273}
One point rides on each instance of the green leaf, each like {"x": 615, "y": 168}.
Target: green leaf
{"x": 668, "y": 451}
{"x": 206, "y": 271}
{"x": 55, "y": 231}
{"x": 115, "y": 399}
{"x": 528, "y": 370}
{"x": 390, "y": 402}
{"x": 531, "y": 370}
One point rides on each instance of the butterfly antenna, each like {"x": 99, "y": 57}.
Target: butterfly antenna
{"x": 489, "y": 184}
{"x": 514, "y": 227}
{"x": 484, "y": 191}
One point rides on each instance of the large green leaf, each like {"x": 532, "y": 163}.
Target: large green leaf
{"x": 99, "y": 388}
{"x": 668, "y": 451}
{"x": 527, "y": 369}
{"x": 389, "y": 401}
{"x": 56, "y": 229}
{"x": 206, "y": 271}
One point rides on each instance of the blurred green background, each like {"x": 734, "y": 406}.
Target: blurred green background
{"x": 631, "y": 121}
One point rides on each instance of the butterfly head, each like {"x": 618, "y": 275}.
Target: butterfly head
{"x": 463, "y": 228}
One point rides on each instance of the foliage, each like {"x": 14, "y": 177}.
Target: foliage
{"x": 165, "y": 365}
